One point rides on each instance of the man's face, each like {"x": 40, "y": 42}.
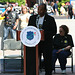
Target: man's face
{"x": 10, "y": 8}
{"x": 57, "y": 2}
{"x": 41, "y": 10}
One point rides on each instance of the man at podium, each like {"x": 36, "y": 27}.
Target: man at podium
{"x": 47, "y": 25}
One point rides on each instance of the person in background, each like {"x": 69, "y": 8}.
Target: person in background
{"x": 62, "y": 9}
{"x": 70, "y": 11}
{"x": 17, "y": 8}
{"x": 7, "y": 5}
{"x": 56, "y": 8}
{"x": 35, "y": 9}
{"x": 63, "y": 42}
{"x": 24, "y": 17}
{"x": 50, "y": 9}
{"x": 52, "y": 4}
{"x": 44, "y": 1}
{"x": 16, "y": 4}
{"x": 21, "y": 9}
{"x": 11, "y": 22}
{"x": 44, "y": 22}
{"x": 66, "y": 7}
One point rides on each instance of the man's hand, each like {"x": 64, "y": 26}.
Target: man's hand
{"x": 4, "y": 12}
{"x": 16, "y": 24}
{"x": 8, "y": 8}
{"x": 14, "y": 27}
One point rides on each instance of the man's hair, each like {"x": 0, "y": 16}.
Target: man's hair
{"x": 10, "y": 5}
{"x": 44, "y": 6}
{"x": 56, "y": 1}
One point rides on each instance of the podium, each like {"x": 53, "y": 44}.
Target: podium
{"x": 37, "y": 59}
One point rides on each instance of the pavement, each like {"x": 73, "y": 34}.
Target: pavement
{"x": 71, "y": 24}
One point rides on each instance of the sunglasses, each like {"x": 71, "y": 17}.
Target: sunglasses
{"x": 60, "y": 31}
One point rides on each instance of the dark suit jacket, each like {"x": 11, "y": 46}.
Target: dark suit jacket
{"x": 49, "y": 27}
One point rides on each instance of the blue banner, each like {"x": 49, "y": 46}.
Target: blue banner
{"x": 2, "y": 10}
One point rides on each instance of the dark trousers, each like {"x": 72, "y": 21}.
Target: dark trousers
{"x": 62, "y": 57}
{"x": 47, "y": 54}
{"x": 48, "y": 61}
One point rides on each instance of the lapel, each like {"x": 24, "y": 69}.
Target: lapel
{"x": 35, "y": 20}
{"x": 45, "y": 19}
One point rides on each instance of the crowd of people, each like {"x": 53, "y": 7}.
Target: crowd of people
{"x": 66, "y": 9}
{"x": 52, "y": 48}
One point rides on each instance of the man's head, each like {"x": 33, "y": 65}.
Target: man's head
{"x": 7, "y": 3}
{"x": 57, "y": 1}
{"x": 10, "y": 7}
{"x": 42, "y": 9}
{"x": 63, "y": 4}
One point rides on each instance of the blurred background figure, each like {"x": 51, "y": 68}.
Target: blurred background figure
{"x": 66, "y": 7}
{"x": 50, "y": 9}
{"x": 7, "y": 5}
{"x": 70, "y": 11}
{"x": 24, "y": 17}
{"x": 56, "y": 8}
{"x": 16, "y": 4}
{"x": 26, "y": 4}
{"x": 73, "y": 17}
{"x": 44, "y": 1}
{"x": 22, "y": 6}
{"x": 35, "y": 9}
{"x": 11, "y": 22}
{"x": 17, "y": 8}
{"x": 21, "y": 9}
{"x": 62, "y": 9}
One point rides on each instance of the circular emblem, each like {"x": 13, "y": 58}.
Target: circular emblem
{"x": 30, "y": 36}
{"x": 65, "y": 41}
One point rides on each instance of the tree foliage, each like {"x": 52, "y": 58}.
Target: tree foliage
{"x": 65, "y": 1}
{"x": 21, "y": 2}
{"x": 14, "y": 1}
{"x": 62, "y": 1}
